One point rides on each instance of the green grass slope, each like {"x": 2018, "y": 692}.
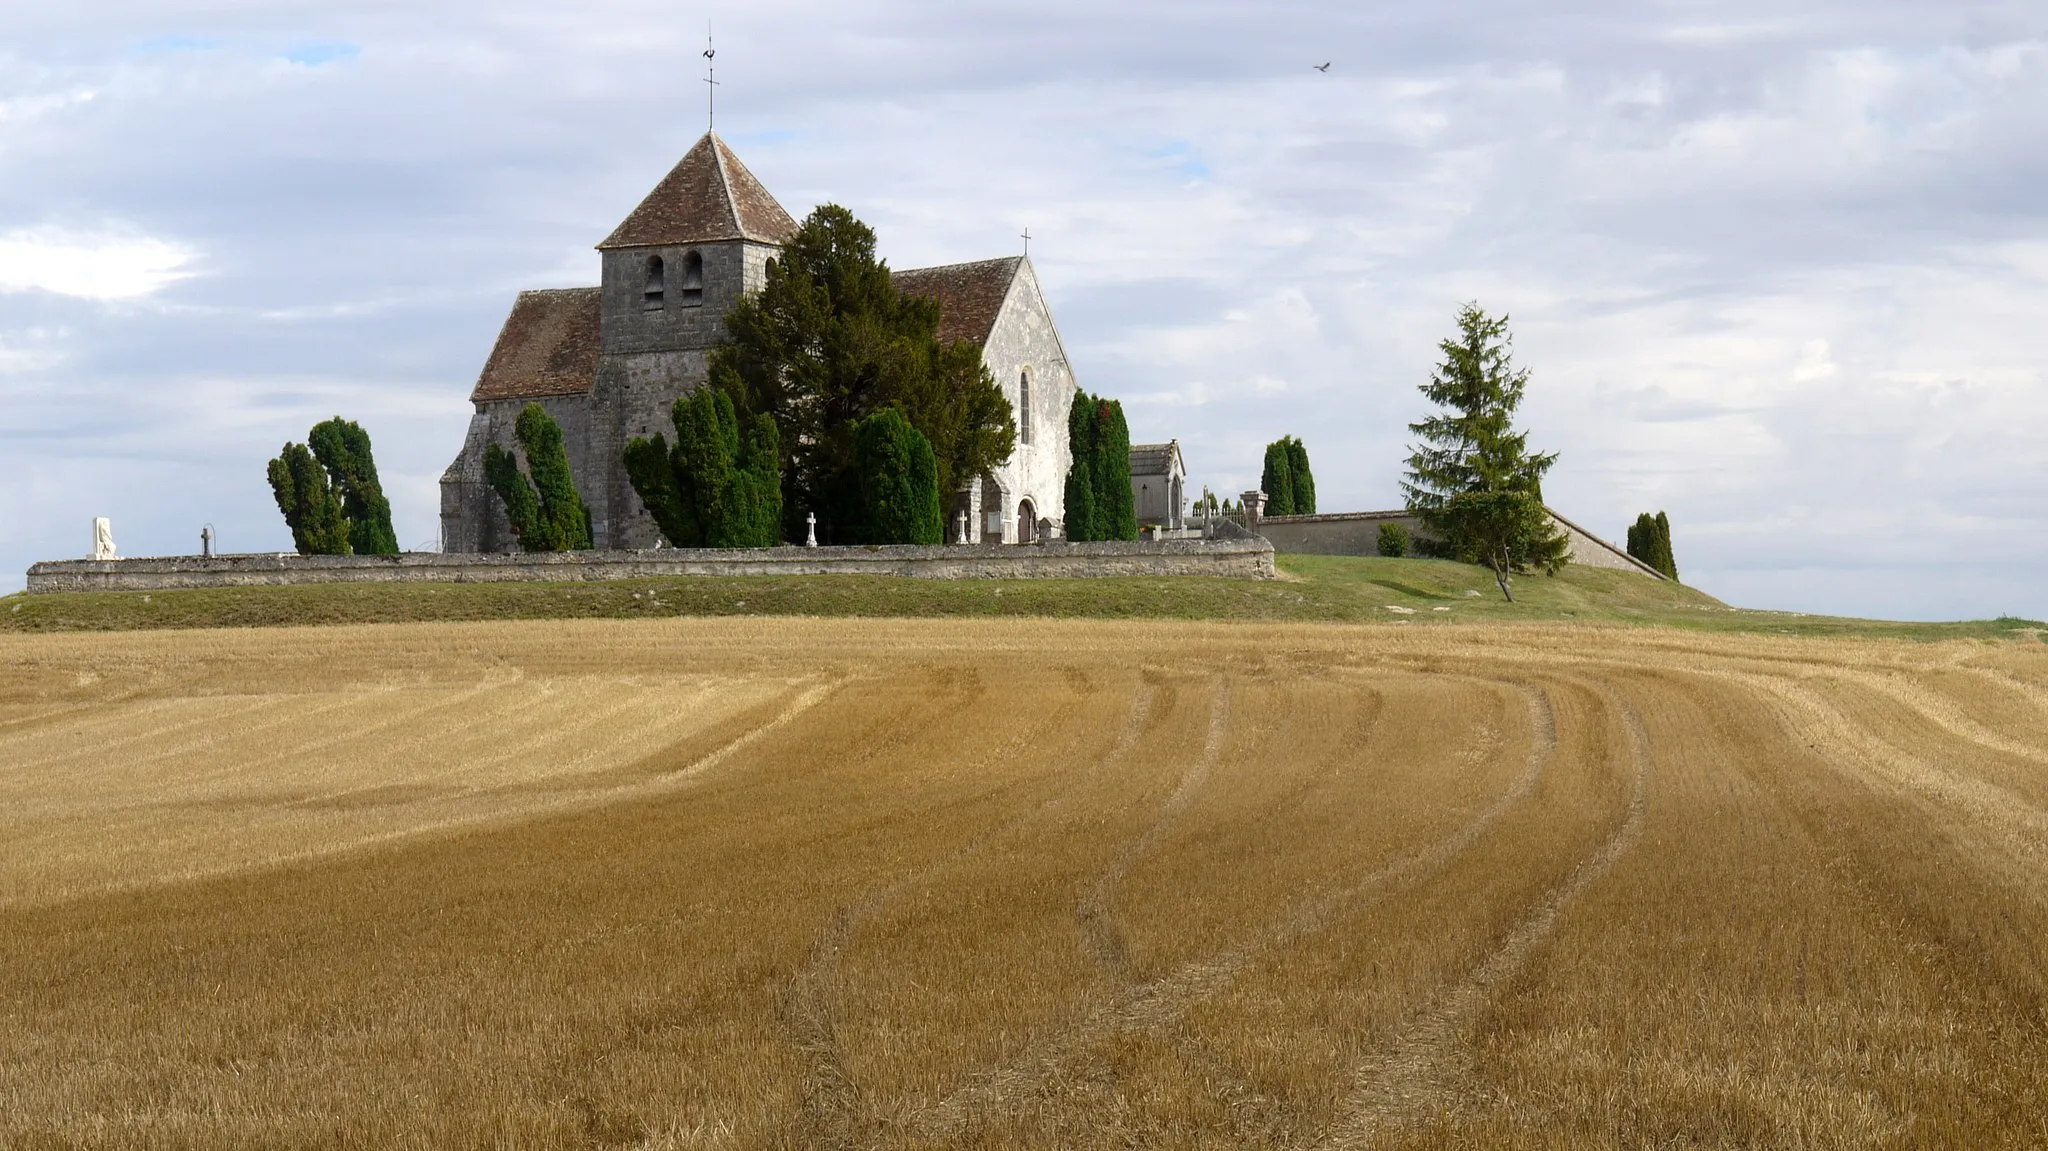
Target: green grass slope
{"x": 1332, "y": 588}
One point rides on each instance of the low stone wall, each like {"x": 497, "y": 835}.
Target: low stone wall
{"x": 1358, "y": 534}
{"x": 1235, "y": 559}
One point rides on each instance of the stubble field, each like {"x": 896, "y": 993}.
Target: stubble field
{"x": 1020, "y": 883}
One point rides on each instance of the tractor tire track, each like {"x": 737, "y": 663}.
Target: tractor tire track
{"x": 811, "y": 1009}
{"x": 1158, "y": 1003}
{"x": 1096, "y": 915}
{"x": 1426, "y": 1072}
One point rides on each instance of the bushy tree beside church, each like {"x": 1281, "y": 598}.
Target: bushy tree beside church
{"x": 899, "y": 482}
{"x": 1100, "y": 504}
{"x": 546, "y": 513}
{"x": 1472, "y": 479}
{"x": 829, "y": 341}
{"x": 716, "y": 487}
{"x": 327, "y": 489}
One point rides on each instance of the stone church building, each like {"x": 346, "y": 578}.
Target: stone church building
{"x": 609, "y": 362}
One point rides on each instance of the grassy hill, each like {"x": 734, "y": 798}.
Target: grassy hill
{"x": 1312, "y": 588}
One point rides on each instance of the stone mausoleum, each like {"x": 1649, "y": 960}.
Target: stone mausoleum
{"x": 609, "y": 362}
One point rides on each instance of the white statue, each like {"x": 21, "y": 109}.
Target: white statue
{"x": 102, "y": 538}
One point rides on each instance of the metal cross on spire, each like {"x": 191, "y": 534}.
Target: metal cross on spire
{"x": 1027, "y": 241}
{"x": 710, "y": 80}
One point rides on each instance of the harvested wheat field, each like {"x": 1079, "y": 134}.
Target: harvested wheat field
{"x": 1015, "y": 883}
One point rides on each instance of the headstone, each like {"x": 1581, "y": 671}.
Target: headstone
{"x": 1254, "y": 510}
{"x": 102, "y": 538}
{"x": 206, "y": 542}
{"x": 811, "y": 529}
{"x": 960, "y": 526}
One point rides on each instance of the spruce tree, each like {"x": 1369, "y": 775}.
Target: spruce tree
{"x": 343, "y": 448}
{"x": 828, "y": 341}
{"x": 715, "y": 488}
{"x": 1277, "y": 480}
{"x": 1304, "y": 481}
{"x": 312, "y": 507}
{"x": 1472, "y": 480}
{"x": 546, "y": 513}
{"x": 899, "y": 482}
{"x": 1082, "y": 521}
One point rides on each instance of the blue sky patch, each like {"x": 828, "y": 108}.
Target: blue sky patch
{"x": 314, "y": 55}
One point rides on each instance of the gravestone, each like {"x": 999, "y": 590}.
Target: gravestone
{"x": 102, "y": 538}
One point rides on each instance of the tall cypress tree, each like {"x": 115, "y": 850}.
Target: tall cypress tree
{"x": 1082, "y": 522}
{"x": 1473, "y": 480}
{"x": 312, "y": 507}
{"x": 343, "y": 448}
{"x": 1304, "y": 480}
{"x": 1649, "y": 540}
{"x": 716, "y": 487}
{"x": 546, "y": 513}
{"x": 1116, "y": 505}
{"x": 1277, "y": 480}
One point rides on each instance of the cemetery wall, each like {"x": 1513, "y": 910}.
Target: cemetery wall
{"x": 1237, "y": 559}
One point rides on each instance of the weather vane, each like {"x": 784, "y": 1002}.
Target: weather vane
{"x": 710, "y": 80}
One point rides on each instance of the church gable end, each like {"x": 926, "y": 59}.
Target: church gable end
{"x": 970, "y": 296}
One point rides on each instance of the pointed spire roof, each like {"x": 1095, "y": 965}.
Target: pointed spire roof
{"x": 708, "y": 196}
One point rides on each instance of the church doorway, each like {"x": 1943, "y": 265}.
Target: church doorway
{"x": 991, "y": 511}
{"x": 1027, "y": 523}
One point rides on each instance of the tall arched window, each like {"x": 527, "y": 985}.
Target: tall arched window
{"x": 693, "y": 280}
{"x": 655, "y": 284}
{"x": 1024, "y": 406}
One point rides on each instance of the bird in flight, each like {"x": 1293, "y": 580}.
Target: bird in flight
{"x": 1323, "y": 67}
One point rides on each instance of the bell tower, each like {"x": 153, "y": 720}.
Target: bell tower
{"x": 675, "y": 267}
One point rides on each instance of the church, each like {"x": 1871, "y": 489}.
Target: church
{"x": 608, "y": 362}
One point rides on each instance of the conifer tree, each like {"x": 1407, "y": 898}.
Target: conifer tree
{"x": 1277, "y": 480}
{"x": 1304, "y": 481}
{"x": 312, "y": 507}
{"x": 899, "y": 482}
{"x": 343, "y": 448}
{"x": 1472, "y": 480}
{"x": 1116, "y": 505}
{"x": 828, "y": 341}
{"x": 546, "y": 513}
{"x": 1082, "y": 518}
{"x": 1667, "y": 562}
{"x": 715, "y": 488}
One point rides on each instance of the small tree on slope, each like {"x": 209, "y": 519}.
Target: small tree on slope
{"x": 1472, "y": 479}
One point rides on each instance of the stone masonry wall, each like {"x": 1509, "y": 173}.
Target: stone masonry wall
{"x": 1358, "y": 534}
{"x": 1249, "y": 559}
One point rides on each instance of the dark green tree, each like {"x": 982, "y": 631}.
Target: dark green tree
{"x": 899, "y": 482}
{"x": 716, "y": 487}
{"x": 343, "y": 448}
{"x": 1393, "y": 541}
{"x": 312, "y": 507}
{"x": 828, "y": 341}
{"x": 1277, "y": 480}
{"x": 546, "y": 513}
{"x": 1304, "y": 480}
{"x": 1100, "y": 503}
{"x": 1649, "y": 540}
{"x": 1472, "y": 479}
{"x": 1082, "y": 522}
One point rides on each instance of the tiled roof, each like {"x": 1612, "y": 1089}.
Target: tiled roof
{"x": 709, "y": 195}
{"x": 548, "y": 347}
{"x": 970, "y": 295}
{"x": 1153, "y": 459}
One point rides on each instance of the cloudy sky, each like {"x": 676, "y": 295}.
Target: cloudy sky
{"x": 1780, "y": 270}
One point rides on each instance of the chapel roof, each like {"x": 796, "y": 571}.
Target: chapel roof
{"x": 970, "y": 296}
{"x": 1154, "y": 459}
{"x": 708, "y": 196}
{"x": 548, "y": 347}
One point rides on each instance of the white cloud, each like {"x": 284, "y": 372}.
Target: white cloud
{"x": 110, "y": 265}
